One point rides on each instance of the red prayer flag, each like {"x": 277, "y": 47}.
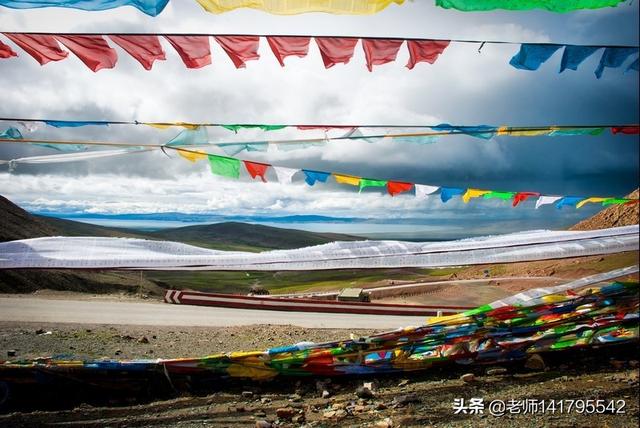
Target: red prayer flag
{"x": 93, "y": 51}
{"x": 194, "y": 50}
{"x": 42, "y": 47}
{"x": 240, "y": 48}
{"x": 425, "y": 51}
{"x": 256, "y": 169}
{"x": 283, "y": 47}
{"x": 522, "y": 196}
{"x": 395, "y": 187}
{"x": 145, "y": 49}
{"x": 336, "y": 50}
{"x": 630, "y": 130}
{"x": 380, "y": 51}
{"x": 6, "y": 51}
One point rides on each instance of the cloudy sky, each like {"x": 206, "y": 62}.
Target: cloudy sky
{"x": 463, "y": 87}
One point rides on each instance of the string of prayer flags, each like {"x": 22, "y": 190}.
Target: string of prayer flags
{"x": 288, "y": 7}
{"x": 446, "y": 193}
{"x": 256, "y": 169}
{"x": 532, "y": 55}
{"x": 311, "y": 177}
{"x": 396, "y": 187}
{"x": 224, "y": 166}
{"x": 550, "y": 5}
{"x": 149, "y": 7}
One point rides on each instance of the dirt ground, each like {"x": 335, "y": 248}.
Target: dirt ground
{"x": 418, "y": 400}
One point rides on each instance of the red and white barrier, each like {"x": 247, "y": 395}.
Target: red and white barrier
{"x": 304, "y": 305}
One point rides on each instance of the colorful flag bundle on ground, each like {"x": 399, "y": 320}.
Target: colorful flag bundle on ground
{"x": 490, "y": 334}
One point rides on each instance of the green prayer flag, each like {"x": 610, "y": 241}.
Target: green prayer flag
{"x": 614, "y": 201}
{"x": 235, "y": 128}
{"x": 366, "y": 182}
{"x": 576, "y": 131}
{"x": 550, "y": 5}
{"x": 499, "y": 195}
{"x": 227, "y": 167}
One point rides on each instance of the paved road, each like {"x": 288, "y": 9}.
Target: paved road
{"x": 30, "y": 309}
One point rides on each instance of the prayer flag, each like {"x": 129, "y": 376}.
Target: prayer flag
{"x": 227, "y": 167}
{"x": 425, "y": 51}
{"x": 367, "y": 182}
{"x": 531, "y": 56}
{"x": 447, "y": 193}
{"x": 590, "y": 200}
{"x": 336, "y": 50}
{"x": 546, "y": 200}
{"x": 288, "y": 7}
{"x": 473, "y": 193}
{"x": 240, "y": 48}
{"x": 256, "y": 169}
{"x": 6, "y": 51}
{"x": 396, "y": 187}
{"x": 150, "y": 7}
{"x": 550, "y": 5}
{"x": 93, "y": 51}
{"x": 499, "y": 195}
{"x": 143, "y": 48}
{"x": 613, "y": 58}
{"x": 631, "y": 130}
{"x": 284, "y": 46}
{"x": 422, "y": 190}
{"x": 380, "y": 51}
{"x": 573, "y": 56}
{"x": 42, "y": 47}
{"x": 310, "y": 177}
{"x": 285, "y": 175}
{"x": 569, "y": 201}
{"x": 194, "y": 50}
{"x": 523, "y": 196}
{"x": 192, "y": 156}
{"x": 347, "y": 179}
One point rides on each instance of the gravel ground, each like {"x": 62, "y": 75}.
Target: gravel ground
{"x": 419, "y": 400}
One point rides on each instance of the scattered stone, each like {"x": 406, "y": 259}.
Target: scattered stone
{"x": 11, "y": 353}
{"x": 406, "y": 399}
{"x": 295, "y": 397}
{"x": 143, "y": 339}
{"x": 363, "y": 392}
{"x": 368, "y": 385}
{"x": 247, "y": 394}
{"x": 468, "y": 377}
{"x": 40, "y": 331}
{"x": 285, "y": 413}
{"x": 380, "y": 406}
{"x": 359, "y": 408}
{"x": 241, "y": 409}
{"x": 118, "y": 352}
{"x": 633, "y": 364}
{"x": 535, "y": 362}
{"x": 328, "y": 415}
{"x": 403, "y": 382}
{"x": 326, "y": 394}
{"x": 338, "y": 406}
{"x": 298, "y": 419}
{"x": 260, "y": 414}
{"x": 341, "y": 414}
{"x": 497, "y": 371}
{"x": 385, "y": 423}
{"x": 617, "y": 364}
{"x": 263, "y": 424}
{"x": 264, "y": 400}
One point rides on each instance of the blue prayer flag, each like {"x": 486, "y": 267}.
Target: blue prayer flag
{"x": 613, "y": 58}
{"x": 310, "y": 177}
{"x": 150, "y": 7}
{"x": 447, "y": 193}
{"x": 573, "y": 56}
{"x": 531, "y": 56}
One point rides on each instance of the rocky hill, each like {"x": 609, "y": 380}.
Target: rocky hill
{"x": 613, "y": 216}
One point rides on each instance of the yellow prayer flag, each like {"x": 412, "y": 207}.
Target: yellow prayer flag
{"x": 347, "y": 179}
{"x": 171, "y": 125}
{"x": 288, "y": 7}
{"x": 590, "y": 200}
{"x": 505, "y": 130}
{"x": 192, "y": 156}
{"x": 473, "y": 193}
